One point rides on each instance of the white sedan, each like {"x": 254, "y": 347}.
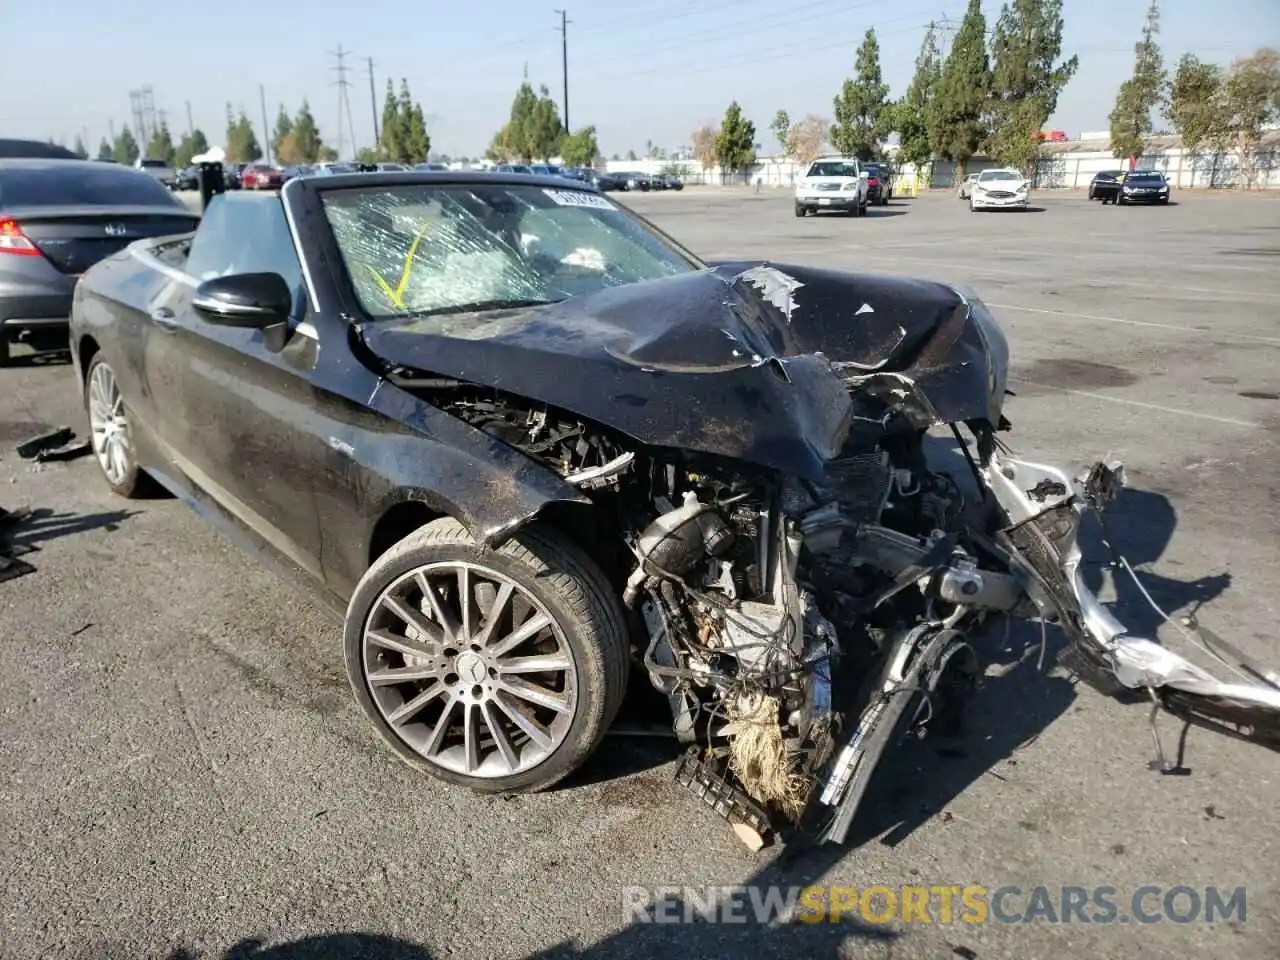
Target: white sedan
{"x": 997, "y": 188}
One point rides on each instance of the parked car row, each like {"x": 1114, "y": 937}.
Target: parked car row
{"x": 1120, "y": 187}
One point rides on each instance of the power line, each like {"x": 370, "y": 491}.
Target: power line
{"x": 564, "y": 62}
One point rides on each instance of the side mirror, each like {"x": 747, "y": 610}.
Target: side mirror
{"x": 253, "y": 300}
{"x": 863, "y": 175}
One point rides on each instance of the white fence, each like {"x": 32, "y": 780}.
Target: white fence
{"x": 1062, "y": 166}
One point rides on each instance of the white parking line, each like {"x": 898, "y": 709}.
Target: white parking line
{"x": 1104, "y": 282}
{"x": 1138, "y": 403}
{"x": 1094, "y": 318}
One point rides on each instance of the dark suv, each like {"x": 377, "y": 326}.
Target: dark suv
{"x": 879, "y": 183}
{"x": 1105, "y": 185}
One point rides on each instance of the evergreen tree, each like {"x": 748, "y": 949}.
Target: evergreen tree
{"x": 305, "y": 137}
{"x": 546, "y": 130}
{"x": 1026, "y": 78}
{"x": 105, "y": 150}
{"x": 191, "y": 145}
{"x": 735, "y": 144}
{"x": 390, "y": 145}
{"x": 242, "y": 141}
{"x": 911, "y": 113}
{"x": 862, "y": 114}
{"x": 125, "y": 149}
{"x": 280, "y": 136}
{"x": 161, "y": 145}
{"x": 957, "y": 120}
{"x": 1140, "y": 94}
{"x": 79, "y": 149}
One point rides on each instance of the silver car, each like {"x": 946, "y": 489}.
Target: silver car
{"x": 57, "y": 219}
{"x": 966, "y": 186}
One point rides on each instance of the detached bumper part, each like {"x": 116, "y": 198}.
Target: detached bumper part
{"x": 1051, "y": 502}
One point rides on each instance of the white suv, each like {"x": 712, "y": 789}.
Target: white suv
{"x": 161, "y": 170}
{"x": 832, "y": 183}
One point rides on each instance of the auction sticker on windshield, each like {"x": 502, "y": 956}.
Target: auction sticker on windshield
{"x": 578, "y": 198}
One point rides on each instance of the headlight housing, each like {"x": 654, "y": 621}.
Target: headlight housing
{"x": 850, "y": 186}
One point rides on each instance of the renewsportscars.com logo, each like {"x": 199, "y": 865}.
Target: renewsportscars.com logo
{"x": 942, "y": 904}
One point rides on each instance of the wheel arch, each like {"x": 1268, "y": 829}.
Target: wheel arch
{"x": 86, "y": 349}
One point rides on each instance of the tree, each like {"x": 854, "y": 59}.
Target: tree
{"x": 390, "y": 138}
{"x": 735, "y": 144}
{"x": 79, "y": 149}
{"x": 1139, "y": 95}
{"x": 191, "y": 145}
{"x": 517, "y": 139}
{"x": 862, "y": 116}
{"x": 1026, "y": 78}
{"x": 284, "y": 127}
{"x": 326, "y": 154}
{"x": 242, "y": 141}
{"x": 105, "y": 150}
{"x": 911, "y": 113}
{"x": 631, "y": 155}
{"x": 781, "y": 127}
{"x": 161, "y": 145}
{"x": 580, "y": 148}
{"x": 545, "y": 129}
{"x": 125, "y": 150}
{"x": 1195, "y": 107}
{"x": 1251, "y": 103}
{"x": 304, "y": 144}
{"x": 806, "y": 138}
{"x": 704, "y": 145}
{"x": 957, "y": 118}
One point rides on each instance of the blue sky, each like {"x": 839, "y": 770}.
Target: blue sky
{"x": 638, "y": 71}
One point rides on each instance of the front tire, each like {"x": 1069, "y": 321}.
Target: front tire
{"x": 111, "y": 432}
{"x": 498, "y": 670}
{"x": 800, "y": 211}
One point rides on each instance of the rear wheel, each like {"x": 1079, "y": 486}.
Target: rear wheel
{"x": 799, "y": 210}
{"x": 498, "y": 670}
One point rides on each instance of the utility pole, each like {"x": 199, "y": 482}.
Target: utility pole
{"x": 373, "y": 105}
{"x": 266, "y": 130}
{"x": 344, "y": 101}
{"x": 191, "y": 127}
{"x": 564, "y": 61}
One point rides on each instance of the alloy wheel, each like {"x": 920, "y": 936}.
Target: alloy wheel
{"x": 469, "y": 670}
{"x": 109, "y": 424}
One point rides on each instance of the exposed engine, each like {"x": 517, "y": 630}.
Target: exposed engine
{"x": 739, "y": 580}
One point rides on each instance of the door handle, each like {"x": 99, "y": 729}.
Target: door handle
{"x": 164, "y": 316}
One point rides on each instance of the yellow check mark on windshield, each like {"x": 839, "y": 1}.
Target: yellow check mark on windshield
{"x": 396, "y": 294}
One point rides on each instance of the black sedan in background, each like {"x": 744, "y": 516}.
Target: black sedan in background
{"x": 1143, "y": 186}
{"x": 879, "y": 183}
{"x": 57, "y": 219}
{"x": 1105, "y": 185}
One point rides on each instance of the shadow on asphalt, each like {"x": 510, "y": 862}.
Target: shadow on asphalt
{"x": 42, "y": 525}
{"x": 1142, "y": 523}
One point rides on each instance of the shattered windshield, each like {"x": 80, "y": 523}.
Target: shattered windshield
{"x": 432, "y": 248}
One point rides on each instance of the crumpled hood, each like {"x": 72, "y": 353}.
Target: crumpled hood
{"x": 735, "y": 361}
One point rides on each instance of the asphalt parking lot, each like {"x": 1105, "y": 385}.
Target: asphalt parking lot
{"x": 183, "y": 769}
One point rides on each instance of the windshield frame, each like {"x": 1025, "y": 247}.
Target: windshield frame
{"x": 857, "y": 169}
{"x": 304, "y": 202}
{"x": 1004, "y": 175}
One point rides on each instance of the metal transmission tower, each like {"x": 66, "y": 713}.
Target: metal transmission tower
{"x": 143, "y": 106}
{"x": 564, "y": 61}
{"x": 344, "y": 101}
{"x": 373, "y": 103}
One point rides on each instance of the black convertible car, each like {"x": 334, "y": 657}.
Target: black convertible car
{"x": 530, "y": 442}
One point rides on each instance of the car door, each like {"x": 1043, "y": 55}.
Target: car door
{"x": 234, "y": 410}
